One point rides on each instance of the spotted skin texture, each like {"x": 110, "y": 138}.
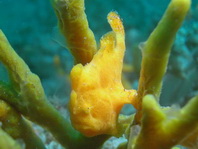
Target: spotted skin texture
{"x": 97, "y": 91}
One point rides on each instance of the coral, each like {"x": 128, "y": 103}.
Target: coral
{"x": 97, "y": 91}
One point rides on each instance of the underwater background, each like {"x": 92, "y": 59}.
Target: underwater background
{"x": 31, "y": 28}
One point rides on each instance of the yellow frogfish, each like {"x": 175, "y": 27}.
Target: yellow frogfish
{"x": 97, "y": 92}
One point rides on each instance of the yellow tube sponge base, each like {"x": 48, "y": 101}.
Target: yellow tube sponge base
{"x": 97, "y": 91}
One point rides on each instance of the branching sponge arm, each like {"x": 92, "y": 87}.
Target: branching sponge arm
{"x": 17, "y": 127}
{"x": 6, "y": 142}
{"x": 186, "y": 124}
{"x": 156, "y": 50}
{"x": 26, "y": 95}
{"x": 74, "y": 26}
{"x": 161, "y": 130}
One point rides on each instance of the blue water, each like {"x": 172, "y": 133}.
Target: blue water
{"x": 31, "y": 28}
{"x": 29, "y": 25}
